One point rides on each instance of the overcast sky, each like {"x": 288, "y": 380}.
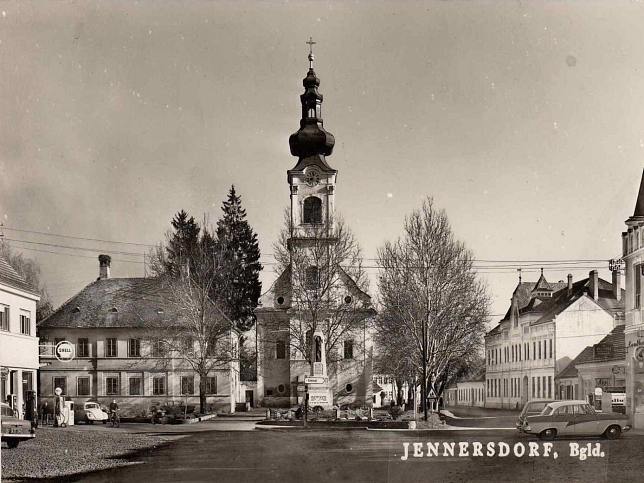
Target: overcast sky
{"x": 524, "y": 120}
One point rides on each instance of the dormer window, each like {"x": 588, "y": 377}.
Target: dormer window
{"x": 76, "y": 310}
{"x": 114, "y": 310}
{"x": 312, "y": 210}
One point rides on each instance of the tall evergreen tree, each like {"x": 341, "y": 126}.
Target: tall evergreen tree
{"x": 238, "y": 242}
{"x": 182, "y": 244}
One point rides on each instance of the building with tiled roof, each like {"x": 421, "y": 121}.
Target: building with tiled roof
{"x": 116, "y": 327}
{"x": 547, "y": 325}
{"x": 597, "y": 372}
{"x": 18, "y": 341}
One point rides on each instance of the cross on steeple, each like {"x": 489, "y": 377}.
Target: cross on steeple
{"x": 311, "y": 57}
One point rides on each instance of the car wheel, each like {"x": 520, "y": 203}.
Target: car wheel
{"x": 13, "y": 443}
{"x": 548, "y": 434}
{"x": 613, "y": 432}
{"x": 89, "y": 421}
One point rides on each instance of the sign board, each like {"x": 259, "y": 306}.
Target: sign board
{"x": 64, "y": 351}
{"x": 320, "y": 397}
{"x": 598, "y": 391}
{"x": 432, "y": 394}
{"x": 314, "y": 380}
{"x": 301, "y": 388}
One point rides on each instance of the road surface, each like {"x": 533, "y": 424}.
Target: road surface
{"x": 372, "y": 456}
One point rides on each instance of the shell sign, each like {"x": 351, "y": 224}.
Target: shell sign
{"x": 64, "y": 351}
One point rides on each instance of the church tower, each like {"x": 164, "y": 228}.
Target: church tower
{"x": 311, "y": 180}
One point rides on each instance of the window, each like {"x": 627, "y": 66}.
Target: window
{"x": 158, "y": 386}
{"x": 348, "y": 388}
{"x": 534, "y": 349}
{"x": 111, "y": 348}
{"x": 211, "y": 385}
{"x": 564, "y": 410}
{"x": 4, "y": 317}
{"x": 280, "y": 350}
{"x": 312, "y": 278}
{"x": 348, "y": 349}
{"x": 112, "y": 385}
{"x": 82, "y": 349}
{"x": 61, "y": 382}
{"x": 550, "y": 349}
{"x": 158, "y": 348}
{"x": 82, "y": 386}
{"x": 312, "y": 210}
{"x": 188, "y": 344}
{"x": 134, "y": 348}
{"x": 136, "y": 386}
{"x": 25, "y": 324}
{"x": 187, "y": 385}
{"x": 549, "y": 387}
{"x": 638, "y": 284}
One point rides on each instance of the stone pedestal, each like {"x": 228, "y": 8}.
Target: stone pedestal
{"x": 319, "y": 394}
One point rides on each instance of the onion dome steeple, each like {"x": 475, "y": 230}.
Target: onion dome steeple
{"x": 311, "y": 139}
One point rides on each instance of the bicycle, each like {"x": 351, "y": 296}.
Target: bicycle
{"x": 115, "y": 419}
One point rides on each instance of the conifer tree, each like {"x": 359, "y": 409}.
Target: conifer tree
{"x": 238, "y": 242}
{"x": 182, "y": 244}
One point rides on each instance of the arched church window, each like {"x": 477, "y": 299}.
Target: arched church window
{"x": 311, "y": 112}
{"x": 312, "y": 278}
{"x": 312, "y": 210}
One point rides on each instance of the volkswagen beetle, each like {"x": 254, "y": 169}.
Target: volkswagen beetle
{"x": 575, "y": 418}
{"x": 90, "y": 412}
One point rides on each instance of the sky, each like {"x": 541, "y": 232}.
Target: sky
{"x": 523, "y": 120}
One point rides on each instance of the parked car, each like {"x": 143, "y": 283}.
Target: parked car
{"x": 567, "y": 418}
{"x": 532, "y": 408}
{"x": 14, "y": 430}
{"x": 90, "y": 412}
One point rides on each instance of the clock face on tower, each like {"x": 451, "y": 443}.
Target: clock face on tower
{"x": 312, "y": 177}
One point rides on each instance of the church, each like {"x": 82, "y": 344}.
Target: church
{"x": 315, "y": 318}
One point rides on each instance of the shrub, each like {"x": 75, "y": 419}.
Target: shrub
{"x": 395, "y": 411}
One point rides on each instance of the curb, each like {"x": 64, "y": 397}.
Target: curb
{"x": 199, "y": 419}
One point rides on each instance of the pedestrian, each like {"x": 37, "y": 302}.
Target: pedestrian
{"x": 44, "y": 413}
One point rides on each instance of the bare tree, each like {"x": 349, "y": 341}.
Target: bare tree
{"x": 30, "y": 270}
{"x": 433, "y": 305}
{"x": 328, "y": 285}
{"x": 202, "y": 337}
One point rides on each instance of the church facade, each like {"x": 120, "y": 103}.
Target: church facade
{"x": 314, "y": 319}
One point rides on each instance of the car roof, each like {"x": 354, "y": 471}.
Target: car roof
{"x": 557, "y": 404}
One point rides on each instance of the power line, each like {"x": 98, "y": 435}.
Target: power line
{"x": 74, "y": 254}
{"x": 56, "y": 245}
{"x": 78, "y": 237}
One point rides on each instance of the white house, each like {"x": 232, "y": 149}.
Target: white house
{"x": 547, "y": 325}
{"x": 18, "y": 341}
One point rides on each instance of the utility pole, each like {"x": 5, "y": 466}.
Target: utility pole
{"x": 306, "y": 403}
{"x": 423, "y": 386}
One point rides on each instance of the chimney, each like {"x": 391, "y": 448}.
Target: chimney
{"x": 617, "y": 284}
{"x": 593, "y": 284}
{"x": 104, "y": 262}
{"x": 569, "y": 282}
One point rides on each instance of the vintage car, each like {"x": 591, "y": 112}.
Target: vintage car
{"x": 89, "y": 412}
{"x": 531, "y": 408}
{"x": 578, "y": 418}
{"x": 14, "y": 430}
